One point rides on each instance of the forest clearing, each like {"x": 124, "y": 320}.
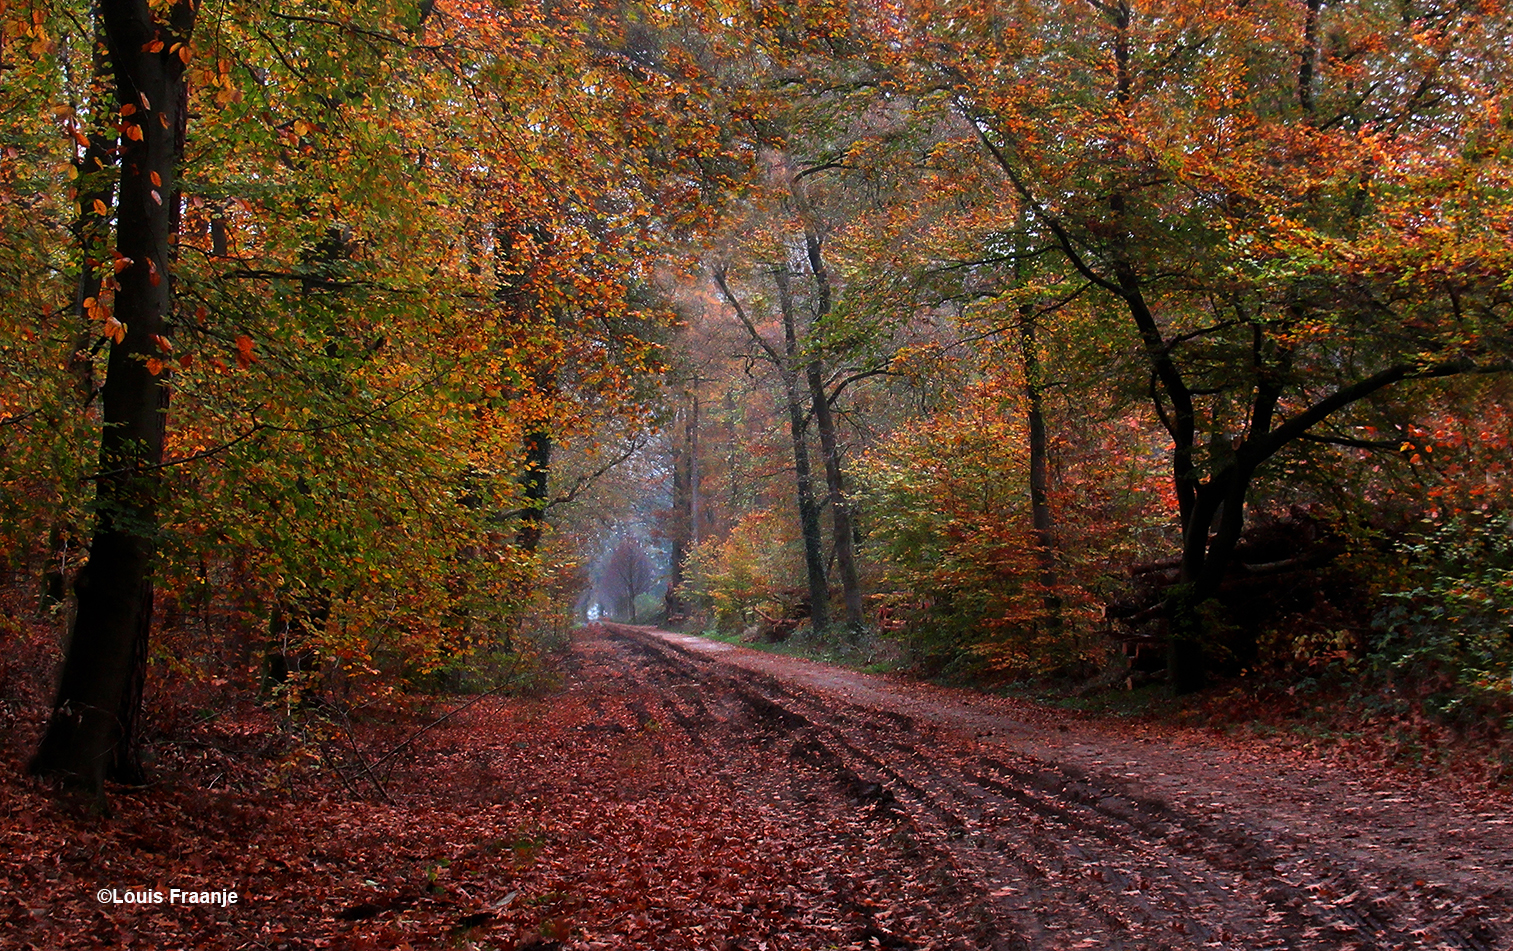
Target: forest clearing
{"x": 675, "y": 792}
{"x": 442, "y": 440}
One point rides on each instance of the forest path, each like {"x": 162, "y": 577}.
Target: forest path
{"x": 670, "y": 793}
{"x": 1061, "y": 832}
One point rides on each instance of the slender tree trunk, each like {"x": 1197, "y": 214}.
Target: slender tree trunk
{"x": 809, "y": 510}
{"x": 683, "y": 528}
{"x": 92, "y": 726}
{"x": 1040, "y": 504}
{"x": 840, "y": 509}
{"x": 809, "y": 513}
{"x": 786, "y": 363}
{"x": 695, "y": 508}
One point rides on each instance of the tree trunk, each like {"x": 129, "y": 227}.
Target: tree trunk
{"x": 840, "y": 509}
{"x": 1040, "y": 505}
{"x": 534, "y": 483}
{"x": 91, "y": 730}
{"x": 683, "y": 520}
{"x": 695, "y": 507}
{"x": 809, "y": 511}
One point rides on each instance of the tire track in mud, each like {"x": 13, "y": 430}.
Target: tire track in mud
{"x": 1062, "y": 857}
{"x": 750, "y": 742}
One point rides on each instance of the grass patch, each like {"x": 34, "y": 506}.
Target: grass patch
{"x": 867, "y": 653}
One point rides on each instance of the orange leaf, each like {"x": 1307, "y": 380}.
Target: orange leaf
{"x": 134, "y": 132}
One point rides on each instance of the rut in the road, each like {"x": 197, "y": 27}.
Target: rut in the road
{"x": 1059, "y": 857}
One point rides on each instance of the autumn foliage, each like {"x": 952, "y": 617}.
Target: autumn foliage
{"x": 1009, "y": 332}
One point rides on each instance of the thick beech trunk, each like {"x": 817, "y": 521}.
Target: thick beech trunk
{"x": 91, "y": 729}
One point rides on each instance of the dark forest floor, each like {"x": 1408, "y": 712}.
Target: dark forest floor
{"x": 675, "y": 793}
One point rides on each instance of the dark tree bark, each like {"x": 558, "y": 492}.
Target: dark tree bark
{"x": 534, "y": 485}
{"x": 809, "y": 509}
{"x": 814, "y": 371}
{"x": 1040, "y": 480}
{"x": 91, "y": 730}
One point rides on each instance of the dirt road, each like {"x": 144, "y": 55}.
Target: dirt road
{"x": 675, "y": 794}
{"x": 1041, "y": 832}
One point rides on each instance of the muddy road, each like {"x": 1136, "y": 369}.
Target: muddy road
{"x": 1044, "y": 832}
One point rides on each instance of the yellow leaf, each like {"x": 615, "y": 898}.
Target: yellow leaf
{"x": 72, "y": 172}
{"x": 100, "y": 209}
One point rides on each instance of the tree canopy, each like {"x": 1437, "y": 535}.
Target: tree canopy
{"x": 329, "y": 333}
